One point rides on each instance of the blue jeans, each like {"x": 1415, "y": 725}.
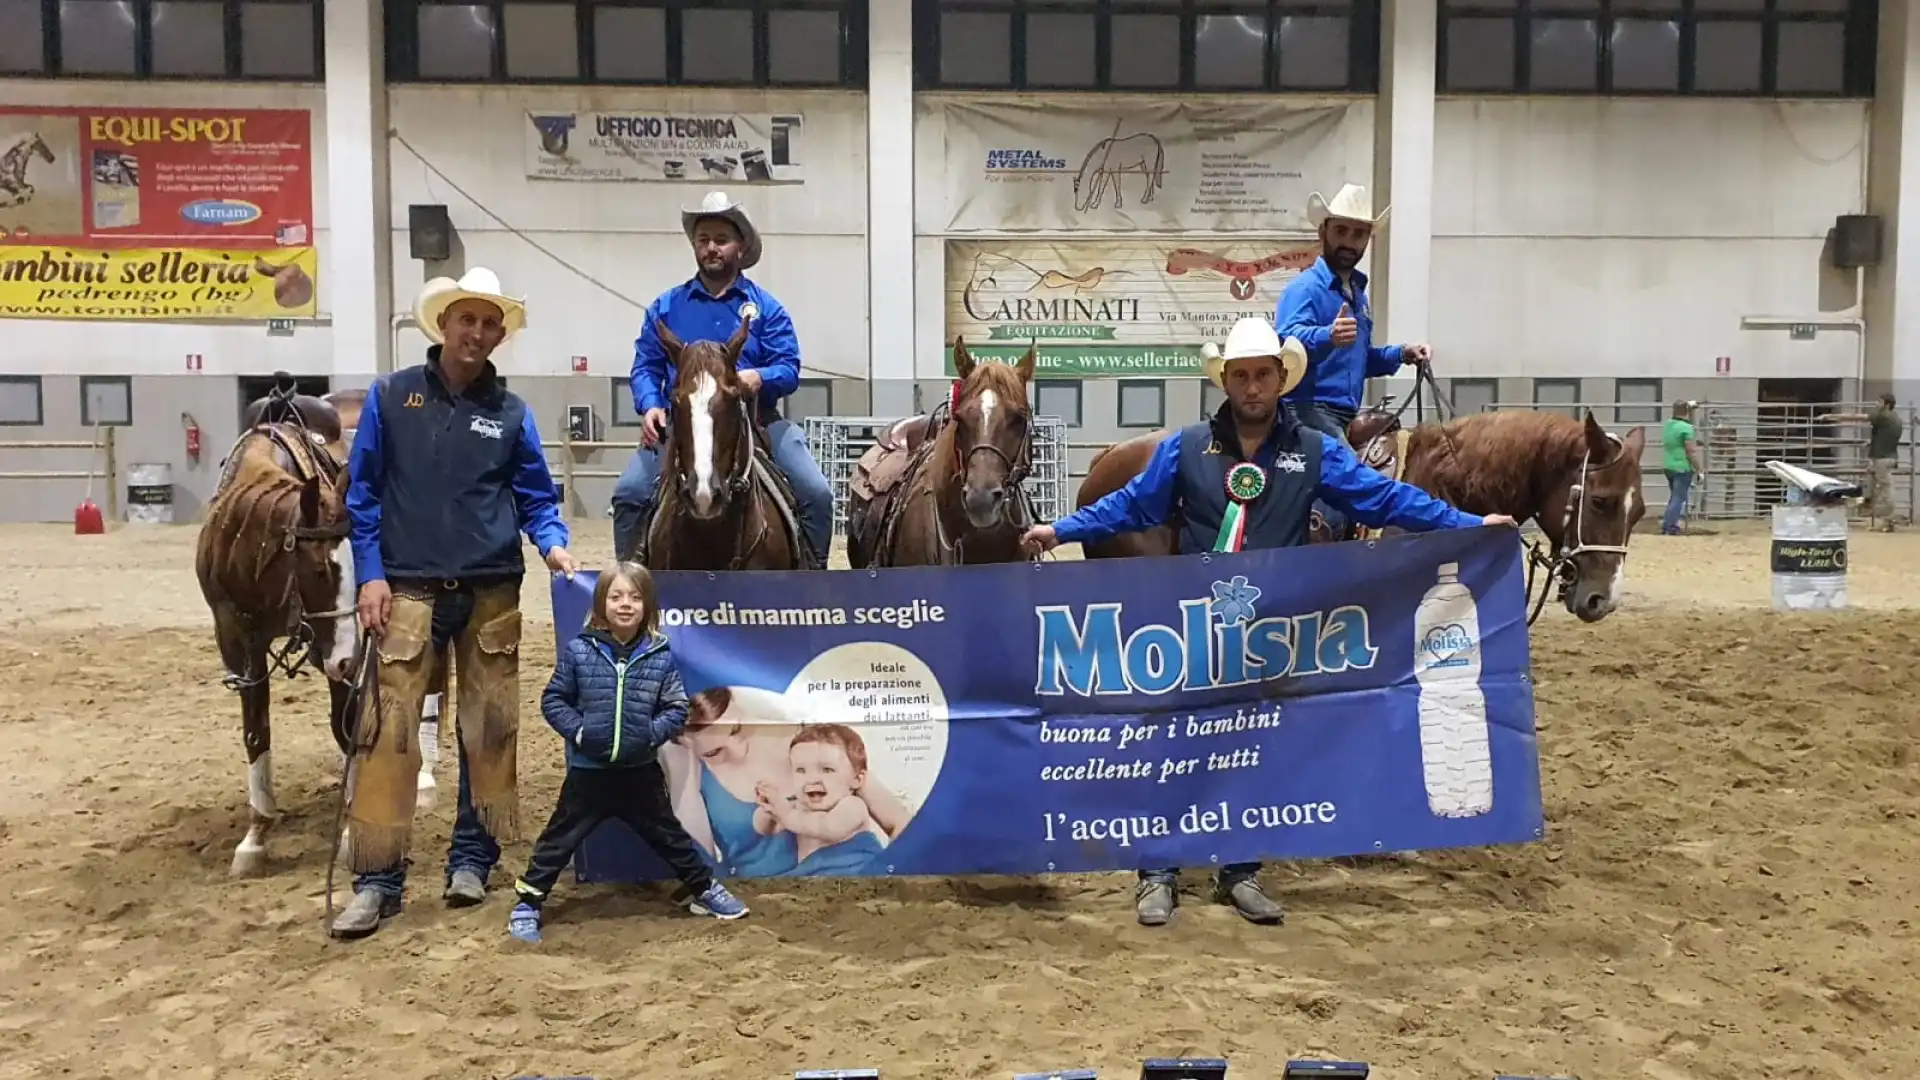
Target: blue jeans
{"x": 1230, "y": 875}
{"x": 786, "y": 443}
{"x": 1679, "y": 486}
{"x": 1331, "y": 420}
{"x": 472, "y": 848}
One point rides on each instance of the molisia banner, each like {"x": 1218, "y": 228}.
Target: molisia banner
{"x": 1081, "y": 716}
{"x": 156, "y": 283}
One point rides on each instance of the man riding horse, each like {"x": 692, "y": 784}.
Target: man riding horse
{"x": 1245, "y": 480}
{"x": 1326, "y": 308}
{"x": 445, "y": 474}
{"x": 709, "y": 307}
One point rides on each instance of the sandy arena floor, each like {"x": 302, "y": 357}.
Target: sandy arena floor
{"x": 1727, "y": 889}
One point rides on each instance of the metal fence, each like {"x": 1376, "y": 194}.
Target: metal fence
{"x": 838, "y": 441}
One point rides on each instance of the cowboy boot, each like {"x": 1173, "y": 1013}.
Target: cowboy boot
{"x": 1251, "y": 901}
{"x": 1154, "y": 900}
{"x": 364, "y": 914}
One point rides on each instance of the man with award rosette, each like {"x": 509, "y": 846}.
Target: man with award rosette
{"x": 1243, "y": 481}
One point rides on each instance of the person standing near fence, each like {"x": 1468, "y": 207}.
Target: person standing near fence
{"x": 1883, "y": 447}
{"x": 1682, "y": 463}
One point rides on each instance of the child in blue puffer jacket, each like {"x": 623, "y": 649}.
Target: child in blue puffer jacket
{"x": 616, "y": 698}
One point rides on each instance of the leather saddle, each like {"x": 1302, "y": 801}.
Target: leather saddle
{"x": 879, "y": 481}
{"x": 1381, "y": 444}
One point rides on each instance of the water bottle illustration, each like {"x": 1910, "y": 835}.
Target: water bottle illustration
{"x": 1454, "y": 754}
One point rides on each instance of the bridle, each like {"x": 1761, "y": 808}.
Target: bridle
{"x": 735, "y": 489}
{"x": 1558, "y": 560}
{"x": 1019, "y": 467}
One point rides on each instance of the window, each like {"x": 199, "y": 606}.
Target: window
{"x": 1201, "y": 45}
{"x": 662, "y": 42}
{"x": 1558, "y": 395}
{"x": 1784, "y": 48}
{"x": 1470, "y": 396}
{"x": 624, "y": 413}
{"x": 1143, "y": 403}
{"x": 1059, "y": 398}
{"x": 177, "y": 39}
{"x": 106, "y": 401}
{"x": 1639, "y": 401}
{"x": 813, "y": 397}
{"x": 20, "y": 401}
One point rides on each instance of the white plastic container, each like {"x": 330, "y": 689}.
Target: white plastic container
{"x": 150, "y": 493}
{"x": 1455, "y": 757}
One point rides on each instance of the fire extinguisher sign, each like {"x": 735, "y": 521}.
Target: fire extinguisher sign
{"x": 193, "y": 361}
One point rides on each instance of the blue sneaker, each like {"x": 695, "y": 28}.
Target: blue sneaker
{"x": 718, "y": 903}
{"x": 524, "y": 923}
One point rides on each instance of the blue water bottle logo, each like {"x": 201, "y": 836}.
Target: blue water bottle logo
{"x": 1445, "y": 646}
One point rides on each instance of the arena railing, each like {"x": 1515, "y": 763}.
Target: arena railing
{"x": 102, "y": 463}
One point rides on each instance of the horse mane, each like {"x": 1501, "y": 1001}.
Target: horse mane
{"x": 708, "y": 357}
{"x": 1489, "y": 463}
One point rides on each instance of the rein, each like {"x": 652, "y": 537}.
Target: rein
{"x": 363, "y": 700}
{"x": 1556, "y": 562}
{"x": 738, "y": 486}
{"x": 1018, "y": 469}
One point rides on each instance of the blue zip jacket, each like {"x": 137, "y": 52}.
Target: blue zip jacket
{"x": 441, "y": 485}
{"x": 1306, "y": 311}
{"x": 694, "y": 314}
{"x": 614, "y": 704}
{"x": 1345, "y": 482}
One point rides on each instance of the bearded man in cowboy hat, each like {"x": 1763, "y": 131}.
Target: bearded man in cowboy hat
{"x": 446, "y": 473}
{"x": 1254, "y": 455}
{"x": 709, "y": 306}
{"x": 1326, "y": 308}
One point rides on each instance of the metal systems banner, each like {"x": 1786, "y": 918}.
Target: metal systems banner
{"x": 664, "y": 146}
{"x": 1082, "y": 716}
{"x": 125, "y": 213}
{"x": 1139, "y": 307}
{"x": 1172, "y": 166}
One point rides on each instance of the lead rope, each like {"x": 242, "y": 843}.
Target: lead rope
{"x": 364, "y": 697}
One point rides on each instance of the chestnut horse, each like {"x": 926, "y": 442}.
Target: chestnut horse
{"x": 272, "y": 563}
{"x": 1579, "y": 482}
{"x": 956, "y": 499}
{"x": 722, "y": 506}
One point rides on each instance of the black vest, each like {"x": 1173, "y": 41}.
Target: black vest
{"x": 447, "y": 509}
{"x": 1279, "y": 517}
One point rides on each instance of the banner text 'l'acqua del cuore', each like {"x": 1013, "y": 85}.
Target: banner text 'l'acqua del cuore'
{"x": 132, "y": 213}
{"x": 1083, "y": 716}
{"x": 671, "y": 147}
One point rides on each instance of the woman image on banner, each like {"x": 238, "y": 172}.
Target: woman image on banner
{"x": 1245, "y": 480}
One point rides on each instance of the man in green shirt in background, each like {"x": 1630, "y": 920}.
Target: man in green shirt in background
{"x": 1883, "y": 447}
{"x": 1682, "y": 464}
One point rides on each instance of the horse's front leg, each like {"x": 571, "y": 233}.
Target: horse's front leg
{"x": 257, "y": 735}
{"x": 426, "y": 794}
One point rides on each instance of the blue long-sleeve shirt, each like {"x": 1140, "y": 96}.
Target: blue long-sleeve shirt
{"x": 1335, "y": 374}
{"x": 424, "y": 494}
{"x": 1367, "y": 494}
{"x": 694, "y": 314}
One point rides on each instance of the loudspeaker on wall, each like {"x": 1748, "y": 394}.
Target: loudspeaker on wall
{"x": 1855, "y": 241}
{"x": 429, "y": 233}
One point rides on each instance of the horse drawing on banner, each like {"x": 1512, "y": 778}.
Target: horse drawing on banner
{"x": 273, "y": 564}
{"x": 1577, "y": 481}
{"x": 1111, "y": 160}
{"x": 722, "y": 504}
{"x": 946, "y": 488}
{"x": 14, "y": 189}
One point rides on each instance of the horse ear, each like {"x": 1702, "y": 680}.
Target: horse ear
{"x": 671, "y": 344}
{"x": 962, "y": 359}
{"x": 1029, "y": 361}
{"x": 1598, "y": 445}
{"x": 736, "y": 343}
{"x": 1635, "y": 440}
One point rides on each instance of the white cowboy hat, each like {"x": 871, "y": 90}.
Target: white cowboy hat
{"x": 717, "y": 204}
{"x": 480, "y": 283}
{"x": 1351, "y": 202}
{"x": 1250, "y": 337}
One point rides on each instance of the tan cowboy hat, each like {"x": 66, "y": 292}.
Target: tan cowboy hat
{"x": 1250, "y": 337}
{"x": 718, "y": 205}
{"x": 480, "y": 283}
{"x": 1351, "y": 202}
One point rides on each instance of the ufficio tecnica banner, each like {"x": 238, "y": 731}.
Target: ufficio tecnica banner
{"x": 1078, "y": 716}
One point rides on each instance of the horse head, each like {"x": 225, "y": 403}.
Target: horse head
{"x": 39, "y": 146}
{"x": 992, "y": 434}
{"x": 713, "y": 420}
{"x": 1590, "y": 516}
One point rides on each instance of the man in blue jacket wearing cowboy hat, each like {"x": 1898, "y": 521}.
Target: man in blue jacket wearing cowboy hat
{"x": 709, "y": 306}
{"x": 1242, "y": 481}
{"x": 1326, "y": 308}
{"x": 446, "y": 474}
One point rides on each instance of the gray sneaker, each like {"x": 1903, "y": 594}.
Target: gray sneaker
{"x": 1252, "y": 902}
{"x": 364, "y": 914}
{"x": 1153, "y": 902}
{"x": 465, "y": 889}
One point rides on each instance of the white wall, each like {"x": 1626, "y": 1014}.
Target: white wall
{"x": 1627, "y": 237}
{"x": 75, "y": 347}
{"x": 627, "y": 236}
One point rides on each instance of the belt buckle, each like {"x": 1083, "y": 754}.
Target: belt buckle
{"x": 450, "y": 585}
